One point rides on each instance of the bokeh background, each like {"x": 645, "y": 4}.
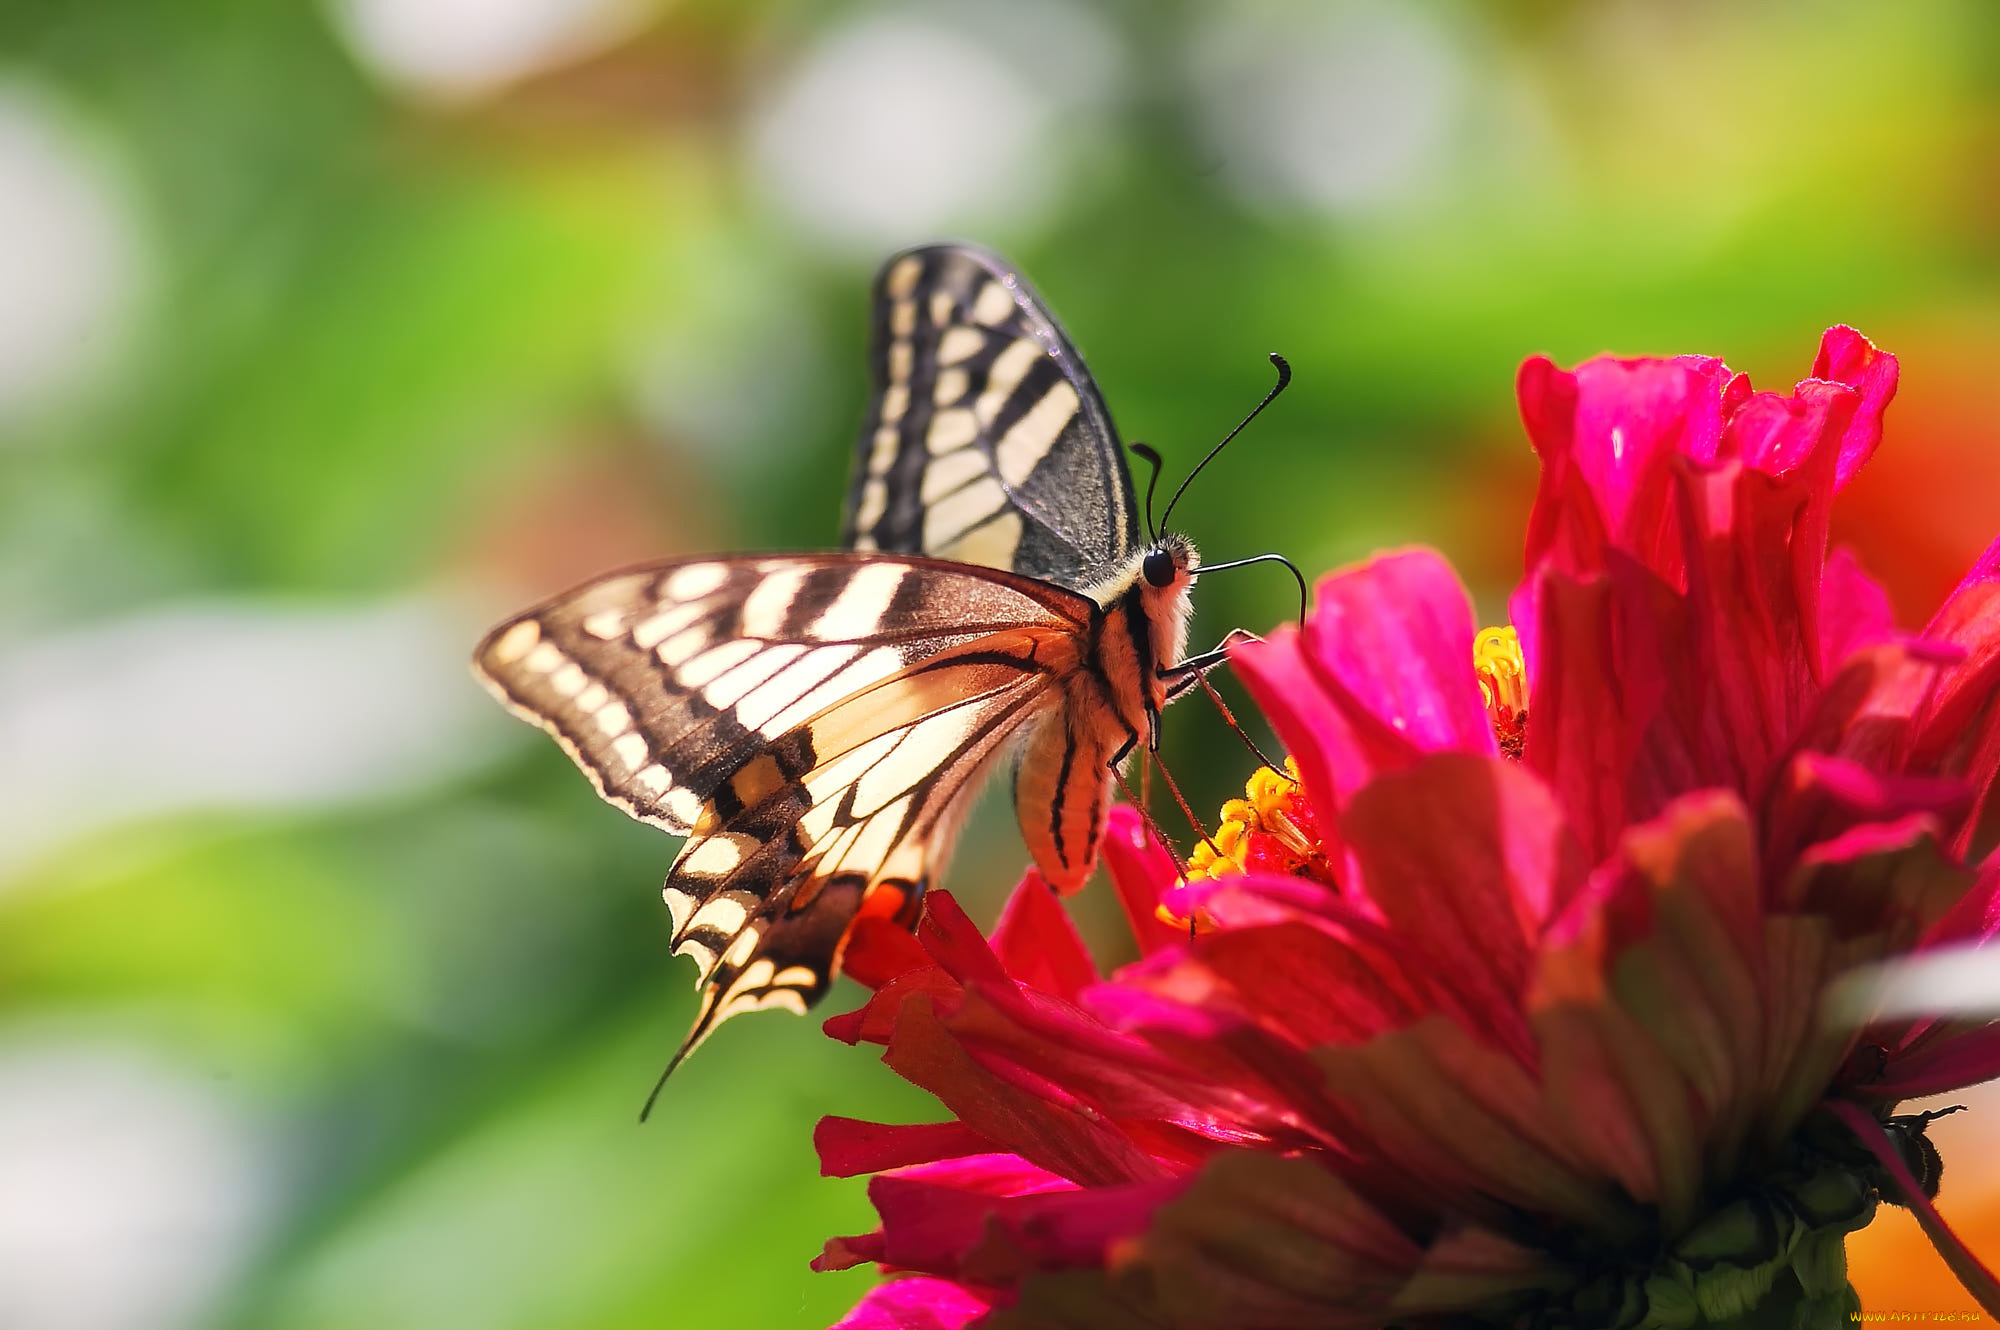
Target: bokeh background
{"x": 330, "y": 332}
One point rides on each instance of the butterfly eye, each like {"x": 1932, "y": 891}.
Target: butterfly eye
{"x": 1158, "y": 568}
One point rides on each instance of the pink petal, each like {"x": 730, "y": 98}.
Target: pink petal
{"x": 1882, "y": 878}
{"x": 1605, "y": 433}
{"x": 1381, "y": 674}
{"x": 1321, "y": 738}
{"x": 1393, "y": 638}
{"x": 1845, "y": 356}
{"x": 932, "y": 1217}
{"x": 1782, "y": 434}
{"x": 1141, "y": 870}
{"x": 1820, "y": 796}
{"x": 1854, "y": 611}
{"x": 849, "y": 1147}
{"x": 916, "y": 1303}
{"x": 1038, "y": 944}
{"x": 1063, "y": 1230}
{"x": 1754, "y": 545}
{"x": 1607, "y": 682}
{"x": 1468, "y": 858}
{"x": 1939, "y": 1067}
{"x": 1957, "y": 729}
{"x": 1978, "y": 1280}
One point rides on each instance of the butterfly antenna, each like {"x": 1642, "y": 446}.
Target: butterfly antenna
{"x": 1291, "y": 567}
{"x": 1151, "y": 457}
{"x": 1284, "y": 377}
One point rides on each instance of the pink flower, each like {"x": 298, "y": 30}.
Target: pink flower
{"x": 1513, "y": 1009}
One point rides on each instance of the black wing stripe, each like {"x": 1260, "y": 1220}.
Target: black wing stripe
{"x": 662, "y": 682}
{"x": 986, "y": 440}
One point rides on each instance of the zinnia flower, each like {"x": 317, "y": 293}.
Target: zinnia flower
{"x": 1507, "y": 1005}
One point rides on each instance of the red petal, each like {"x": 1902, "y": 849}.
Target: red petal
{"x": 874, "y": 1022}
{"x": 1065, "y": 1139}
{"x": 1141, "y": 870}
{"x": 956, "y": 943}
{"x": 849, "y": 1147}
{"x": 1978, "y": 1280}
{"x": 879, "y": 950}
{"x": 1886, "y": 879}
{"x": 1038, "y": 944}
{"x": 846, "y": 1253}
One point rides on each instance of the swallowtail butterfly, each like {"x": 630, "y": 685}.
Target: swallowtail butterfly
{"x": 816, "y": 725}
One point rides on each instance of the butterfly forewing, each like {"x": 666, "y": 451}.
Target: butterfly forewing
{"x": 806, "y": 720}
{"x": 986, "y": 440}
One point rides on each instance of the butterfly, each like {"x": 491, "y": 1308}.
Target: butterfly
{"x": 816, "y": 725}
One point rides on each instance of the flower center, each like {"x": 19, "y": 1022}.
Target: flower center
{"x": 1270, "y": 830}
{"x": 1503, "y": 686}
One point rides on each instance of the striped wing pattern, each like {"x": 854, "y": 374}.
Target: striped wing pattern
{"x": 986, "y": 440}
{"x": 805, "y": 720}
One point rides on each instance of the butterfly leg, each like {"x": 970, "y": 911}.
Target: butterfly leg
{"x": 1181, "y": 677}
{"x": 1194, "y": 670}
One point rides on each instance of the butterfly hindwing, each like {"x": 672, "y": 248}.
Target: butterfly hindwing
{"x": 986, "y": 440}
{"x": 763, "y": 892}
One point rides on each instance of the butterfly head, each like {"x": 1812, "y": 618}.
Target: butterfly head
{"x": 1169, "y": 565}
{"x": 1165, "y": 572}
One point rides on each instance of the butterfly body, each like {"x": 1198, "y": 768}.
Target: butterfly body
{"x": 816, "y": 725}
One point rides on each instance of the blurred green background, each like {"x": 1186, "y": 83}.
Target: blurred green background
{"x": 329, "y": 333}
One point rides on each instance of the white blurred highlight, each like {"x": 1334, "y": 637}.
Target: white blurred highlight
{"x": 1950, "y": 981}
{"x": 455, "y": 49}
{"x": 1348, "y": 108}
{"x": 898, "y": 127}
{"x": 132, "y": 1196}
{"x": 68, "y": 257}
{"x": 231, "y": 706}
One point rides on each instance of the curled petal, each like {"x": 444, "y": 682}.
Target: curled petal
{"x": 1845, "y": 356}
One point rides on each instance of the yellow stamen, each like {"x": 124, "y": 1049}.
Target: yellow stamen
{"x": 1263, "y": 809}
{"x": 1503, "y": 686}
